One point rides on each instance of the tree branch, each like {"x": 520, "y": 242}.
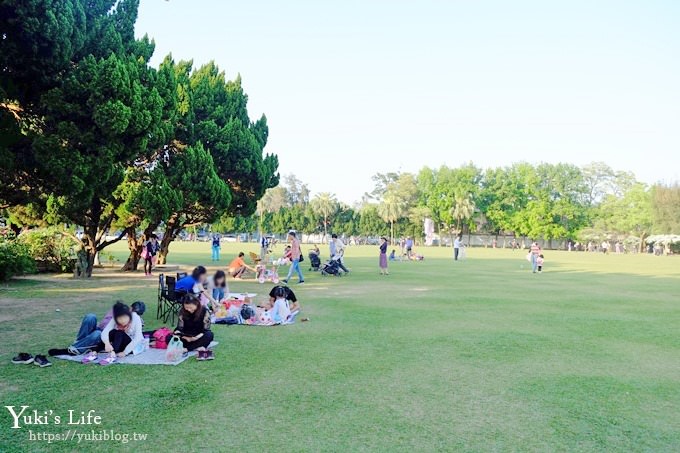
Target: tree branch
{"x": 105, "y": 244}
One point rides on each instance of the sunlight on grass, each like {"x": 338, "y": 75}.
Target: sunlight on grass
{"x": 476, "y": 355}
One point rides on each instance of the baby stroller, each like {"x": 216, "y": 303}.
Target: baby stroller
{"x": 314, "y": 261}
{"x": 331, "y": 268}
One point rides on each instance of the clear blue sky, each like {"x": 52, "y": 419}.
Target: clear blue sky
{"x": 351, "y": 88}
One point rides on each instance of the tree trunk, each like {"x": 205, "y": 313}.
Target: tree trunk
{"x": 172, "y": 229}
{"x": 16, "y": 229}
{"x": 392, "y": 232}
{"x": 325, "y": 228}
{"x": 87, "y": 254}
{"x": 135, "y": 247}
{"x": 642, "y": 243}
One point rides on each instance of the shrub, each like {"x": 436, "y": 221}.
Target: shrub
{"x": 15, "y": 259}
{"x": 51, "y": 249}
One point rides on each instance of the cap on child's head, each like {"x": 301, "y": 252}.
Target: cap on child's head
{"x": 138, "y": 307}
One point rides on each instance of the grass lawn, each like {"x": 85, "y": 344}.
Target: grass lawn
{"x": 479, "y": 355}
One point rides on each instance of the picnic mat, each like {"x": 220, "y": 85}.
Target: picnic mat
{"x": 151, "y": 356}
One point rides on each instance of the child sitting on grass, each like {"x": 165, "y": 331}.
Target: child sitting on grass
{"x": 193, "y": 327}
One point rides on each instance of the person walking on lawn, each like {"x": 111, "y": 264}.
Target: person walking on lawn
{"x": 337, "y": 249}
{"x": 296, "y": 253}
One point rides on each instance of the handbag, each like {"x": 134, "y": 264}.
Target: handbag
{"x": 302, "y": 258}
{"x": 161, "y": 338}
{"x": 175, "y": 349}
{"x": 145, "y": 253}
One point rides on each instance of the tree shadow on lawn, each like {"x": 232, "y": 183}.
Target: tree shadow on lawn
{"x": 477, "y": 334}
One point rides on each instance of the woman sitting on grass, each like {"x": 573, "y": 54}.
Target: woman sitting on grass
{"x": 89, "y": 336}
{"x": 217, "y": 288}
{"x": 123, "y": 334}
{"x": 193, "y": 327}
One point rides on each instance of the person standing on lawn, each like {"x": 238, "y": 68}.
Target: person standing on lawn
{"x": 295, "y": 253}
{"x": 149, "y": 254}
{"x": 337, "y": 248}
{"x": 456, "y": 247}
{"x": 383, "y": 256}
{"x": 535, "y": 252}
{"x": 409, "y": 247}
{"x": 216, "y": 247}
{"x": 264, "y": 248}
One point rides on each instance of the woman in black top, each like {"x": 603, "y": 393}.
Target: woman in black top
{"x": 151, "y": 251}
{"x": 193, "y": 325}
{"x": 383, "y": 256}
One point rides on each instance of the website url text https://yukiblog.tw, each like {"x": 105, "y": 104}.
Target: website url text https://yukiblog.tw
{"x": 86, "y": 436}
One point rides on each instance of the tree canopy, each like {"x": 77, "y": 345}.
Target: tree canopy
{"x": 95, "y": 137}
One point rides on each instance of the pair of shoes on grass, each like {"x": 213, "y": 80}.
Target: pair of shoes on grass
{"x": 25, "y": 358}
{"x": 206, "y": 354}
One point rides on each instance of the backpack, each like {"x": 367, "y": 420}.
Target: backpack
{"x": 247, "y": 312}
{"x": 161, "y": 337}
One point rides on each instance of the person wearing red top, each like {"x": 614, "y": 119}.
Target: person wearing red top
{"x": 295, "y": 258}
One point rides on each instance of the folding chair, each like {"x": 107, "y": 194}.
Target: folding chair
{"x": 181, "y": 275}
{"x": 172, "y": 299}
{"x": 162, "y": 290}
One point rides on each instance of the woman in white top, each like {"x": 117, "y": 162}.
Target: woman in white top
{"x": 123, "y": 333}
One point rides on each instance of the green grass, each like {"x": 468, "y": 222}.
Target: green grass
{"x": 479, "y": 355}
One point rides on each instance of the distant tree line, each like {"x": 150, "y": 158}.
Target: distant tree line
{"x": 546, "y": 201}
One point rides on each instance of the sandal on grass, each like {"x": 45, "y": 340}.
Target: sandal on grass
{"x": 90, "y": 357}
{"x": 108, "y": 360}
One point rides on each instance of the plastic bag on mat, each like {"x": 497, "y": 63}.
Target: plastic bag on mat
{"x": 175, "y": 350}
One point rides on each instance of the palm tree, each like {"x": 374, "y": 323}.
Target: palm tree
{"x": 391, "y": 209}
{"x": 462, "y": 210}
{"x": 324, "y": 204}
